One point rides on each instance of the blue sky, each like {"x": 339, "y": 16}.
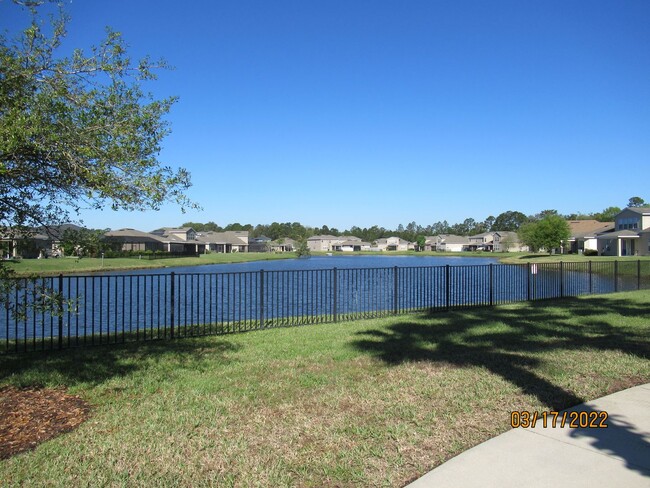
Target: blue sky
{"x": 383, "y": 112}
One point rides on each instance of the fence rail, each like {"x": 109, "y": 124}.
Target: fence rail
{"x": 71, "y": 311}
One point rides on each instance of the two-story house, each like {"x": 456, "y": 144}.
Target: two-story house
{"x": 631, "y": 236}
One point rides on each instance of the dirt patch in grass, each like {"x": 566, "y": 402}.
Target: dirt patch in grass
{"x": 31, "y": 416}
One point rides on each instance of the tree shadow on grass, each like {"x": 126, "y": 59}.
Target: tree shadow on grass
{"x": 98, "y": 364}
{"x": 515, "y": 350}
{"x": 512, "y": 351}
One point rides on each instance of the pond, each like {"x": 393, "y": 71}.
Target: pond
{"x": 320, "y": 262}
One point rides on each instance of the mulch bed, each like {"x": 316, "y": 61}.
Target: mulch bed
{"x": 30, "y": 416}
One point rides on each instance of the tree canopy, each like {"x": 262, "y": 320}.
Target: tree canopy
{"x": 77, "y": 130}
{"x": 547, "y": 233}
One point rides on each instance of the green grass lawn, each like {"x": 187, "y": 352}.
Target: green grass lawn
{"x": 43, "y": 267}
{"x": 368, "y": 403}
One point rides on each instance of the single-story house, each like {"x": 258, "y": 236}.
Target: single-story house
{"x": 136, "y": 240}
{"x": 225, "y": 242}
{"x": 583, "y": 235}
{"x": 285, "y": 244}
{"x": 259, "y": 244}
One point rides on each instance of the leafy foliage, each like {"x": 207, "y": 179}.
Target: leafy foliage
{"x": 547, "y": 233}
{"x": 78, "y": 131}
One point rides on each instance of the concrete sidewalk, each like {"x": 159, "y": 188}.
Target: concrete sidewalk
{"x": 556, "y": 457}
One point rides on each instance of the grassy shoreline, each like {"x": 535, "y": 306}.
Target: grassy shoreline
{"x": 374, "y": 402}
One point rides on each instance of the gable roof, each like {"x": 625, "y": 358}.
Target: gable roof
{"x": 584, "y": 228}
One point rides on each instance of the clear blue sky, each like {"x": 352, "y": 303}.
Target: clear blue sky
{"x": 384, "y": 112}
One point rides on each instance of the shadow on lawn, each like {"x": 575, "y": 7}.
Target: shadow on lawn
{"x": 538, "y": 327}
{"x": 98, "y": 364}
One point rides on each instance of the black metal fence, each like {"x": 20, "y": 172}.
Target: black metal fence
{"x": 71, "y": 311}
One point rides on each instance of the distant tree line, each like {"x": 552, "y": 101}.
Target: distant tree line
{"x": 511, "y": 220}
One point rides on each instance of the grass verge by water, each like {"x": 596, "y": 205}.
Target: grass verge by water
{"x": 369, "y": 403}
{"x": 44, "y": 267}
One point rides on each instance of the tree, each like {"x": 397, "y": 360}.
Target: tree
{"x": 303, "y": 251}
{"x": 607, "y": 215}
{"x": 510, "y": 220}
{"x": 421, "y": 242}
{"x": 636, "y": 202}
{"x": 547, "y": 234}
{"x": 86, "y": 242}
{"x": 78, "y": 131}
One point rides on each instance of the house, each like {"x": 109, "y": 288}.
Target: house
{"x": 583, "y": 235}
{"x": 508, "y": 241}
{"x": 136, "y": 240}
{"x": 452, "y": 243}
{"x": 285, "y": 244}
{"x": 181, "y": 240}
{"x": 447, "y": 243}
{"x": 225, "y": 242}
{"x": 481, "y": 242}
{"x": 394, "y": 244}
{"x": 631, "y": 234}
{"x": 34, "y": 243}
{"x": 259, "y": 244}
{"x": 351, "y": 244}
{"x": 322, "y": 243}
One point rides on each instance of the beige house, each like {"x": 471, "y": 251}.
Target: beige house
{"x": 224, "y": 242}
{"x": 446, "y": 243}
{"x": 322, "y": 243}
{"x": 394, "y": 244}
{"x": 351, "y": 244}
{"x": 583, "y": 235}
{"x": 283, "y": 245}
{"x": 481, "y": 242}
{"x": 631, "y": 236}
{"x": 508, "y": 241}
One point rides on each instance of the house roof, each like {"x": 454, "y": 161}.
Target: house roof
{"x": 235, "y": 238}
{"x": 454, "y": 239}
{"x": 132, "y": 235}
{"x": 354, "y": 242}
{"x": 619, "y": 233}
{"x": 323, "y": 238}
{"x": 588, "y": 228}
{"x": 640, "y": 210}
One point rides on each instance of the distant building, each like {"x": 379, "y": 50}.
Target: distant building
{"x": 631, "y": 236}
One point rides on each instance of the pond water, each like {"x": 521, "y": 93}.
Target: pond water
{"x": 320, "y": 262}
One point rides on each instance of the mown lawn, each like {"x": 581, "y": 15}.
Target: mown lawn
{"x": 368, "y": 403}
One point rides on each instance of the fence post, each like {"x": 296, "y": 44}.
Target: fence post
{"x": 491, "y": 284}
{"x": 638, "y": 274}
{"x": 59, "y": 306}
{"x": 172, "y": 301}
{"x": 528, "y": 271}
{"x": 591, "y": 283}
{"x": 615, "y": 275}
{"x": 335, "y": 291}
{"x": 261, "y": 298}
{"x": 447, "y": 287}
{"x": 561, "y": 279}
{"x": 395, "y": 290}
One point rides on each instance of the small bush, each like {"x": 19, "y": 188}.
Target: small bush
{"x": 590, "y": 252}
